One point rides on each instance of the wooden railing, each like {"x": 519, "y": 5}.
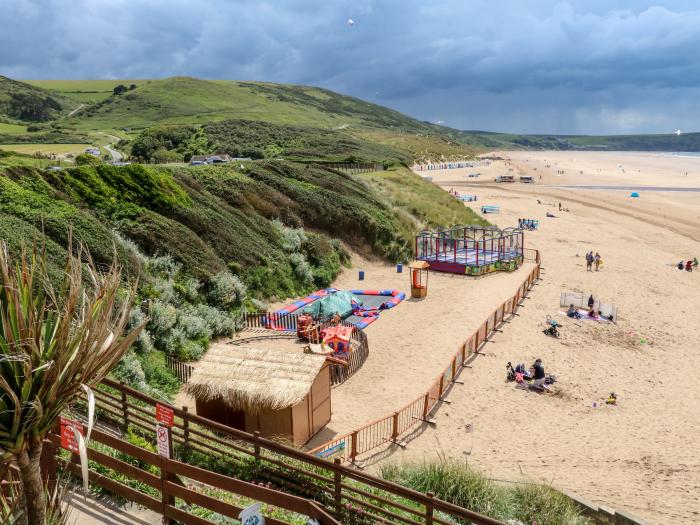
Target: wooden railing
{"x": 163, "y": 481}
{"x": 335, "y": 488}
{"x": 392, "y": 426}
{"x": 183, "y": 371}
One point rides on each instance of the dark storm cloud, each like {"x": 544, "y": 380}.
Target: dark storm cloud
{"x": 535, "y": 66}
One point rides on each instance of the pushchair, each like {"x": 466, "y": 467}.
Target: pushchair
{"x": 552, "y": 329}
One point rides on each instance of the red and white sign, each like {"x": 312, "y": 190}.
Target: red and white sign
{"x": 69, "y": 441}
{"x": 165, "y": 415}
{"x": 163, "y": 440}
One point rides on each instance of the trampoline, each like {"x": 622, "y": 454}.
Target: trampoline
{"x": 471, "y": 249}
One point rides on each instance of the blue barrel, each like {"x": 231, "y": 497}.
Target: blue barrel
{"x": 399, "y": 268}
{"x": 362, "y": 275}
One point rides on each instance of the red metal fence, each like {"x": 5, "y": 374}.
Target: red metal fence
{"x": 389, "y": 428}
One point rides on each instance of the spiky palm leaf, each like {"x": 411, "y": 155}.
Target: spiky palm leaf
{"x": 53, "y": 341}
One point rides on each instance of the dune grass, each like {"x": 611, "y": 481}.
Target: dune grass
{"x": 460, "y": 484}
{"x": 412, "y": 195}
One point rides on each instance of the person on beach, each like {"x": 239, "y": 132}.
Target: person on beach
{"x": 695, "y": 262}
{"x": 591, "y": 302}
{"x": 680, "y": 265}
{"x": 596, "y": 261}
{"x": 689, "y": 266}
{"x": 589, "y": 261}
{"x": 573, "y": 312}
{"x": 538, "y": 374}
{"x": 560, "y": 206}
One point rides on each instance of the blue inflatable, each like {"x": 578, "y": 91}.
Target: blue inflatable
{"x": 634, "y": 194}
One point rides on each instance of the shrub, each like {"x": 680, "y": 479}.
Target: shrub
{"x": 130, "y": 371}
{"x": 163, "y": 318}
{"x": 302, "y": 270}
{"x": 226, "y": 290}
{"x": 85, "y": 159}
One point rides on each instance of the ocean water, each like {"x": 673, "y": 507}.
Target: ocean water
{"x": 684, "y": 154}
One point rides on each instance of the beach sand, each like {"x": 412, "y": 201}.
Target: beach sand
{"x": 641, "y": 456}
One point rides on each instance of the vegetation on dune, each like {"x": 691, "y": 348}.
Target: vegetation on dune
{"x": 460, "y": 484}
{"x": 211, "y": 240}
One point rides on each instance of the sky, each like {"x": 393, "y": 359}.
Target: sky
{"x": 525, "y": 66}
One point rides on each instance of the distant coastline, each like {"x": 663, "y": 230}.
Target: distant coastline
{"x": 683, "y": 154}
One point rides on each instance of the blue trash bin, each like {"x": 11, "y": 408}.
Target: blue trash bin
{"x": 362, "y": 275}
{"x": 399, "y": 268}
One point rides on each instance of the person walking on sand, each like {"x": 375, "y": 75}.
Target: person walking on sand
{"x": 591, "y": 302}
{"x": 560, "y": 206}
{"x": 596, "y": 260}
{"x": 589, "y": 261}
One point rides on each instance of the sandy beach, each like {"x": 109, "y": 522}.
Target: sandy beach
{"x": 642, "y": 455}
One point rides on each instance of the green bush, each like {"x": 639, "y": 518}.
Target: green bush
{"x": 85, "y": 159}
{"x": 460, "y": 484}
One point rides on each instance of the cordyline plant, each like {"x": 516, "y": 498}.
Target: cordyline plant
{"x": 55, "y": 343}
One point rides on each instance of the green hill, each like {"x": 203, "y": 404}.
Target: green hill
{"x": 23, "y": 103}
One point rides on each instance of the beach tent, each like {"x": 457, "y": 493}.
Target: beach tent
{"x": 634, "y": 194}
{"x": 339, "y": 302}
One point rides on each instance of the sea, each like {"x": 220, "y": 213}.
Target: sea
{"x": 684, "y": 154}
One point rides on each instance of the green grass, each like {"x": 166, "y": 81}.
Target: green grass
{"x": 85, "y": 91}
{"x": 468, "y": 488}
{"x": 13, "y": 129}
{"x": 45, "y": 149}
{"x": 423, "y": 204}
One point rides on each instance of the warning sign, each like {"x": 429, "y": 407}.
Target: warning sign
{"x": 163, "y": 440}
{"x": 69, "y": 441}
{"x": 164, "y": 415}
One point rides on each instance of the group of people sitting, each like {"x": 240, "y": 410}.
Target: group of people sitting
{"x": 527, "y": 224}
{"x": 592, "y": 313}
{"x": 536, "y": 374}
{"x": 689, "y": 266}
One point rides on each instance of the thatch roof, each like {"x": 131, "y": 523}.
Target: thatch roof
{"x": 251, "y": 379}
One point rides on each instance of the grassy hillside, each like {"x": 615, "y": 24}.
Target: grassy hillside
{"x": 209, "y": 240}
{"x": 190, "y": 101}
{"x": 23, "y": 103}
{"x": 83, "y": 91}
{"x": 257, "y": 140}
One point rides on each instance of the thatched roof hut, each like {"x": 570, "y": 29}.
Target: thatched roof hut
{"x": 272, "y": 391}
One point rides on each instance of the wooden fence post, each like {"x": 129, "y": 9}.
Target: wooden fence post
{"x": 353, "y": 446}
{"x": 442, "y": 381}
{"x": 337, "y": 488}
{"x": 395, "y": 427}
{"x": 256, "y": 447}
{"x": 185, "y": 427}
{"x": 166, "y": 498}
{"x": 426, "y": 406}
{"x": 125, "y": 407}
{"x": 47, "y": 464}
{"x": 429, "y": 507}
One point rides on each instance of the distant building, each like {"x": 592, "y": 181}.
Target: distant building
{"x": 215, "y": 158}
